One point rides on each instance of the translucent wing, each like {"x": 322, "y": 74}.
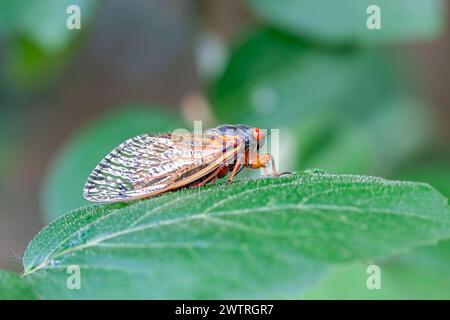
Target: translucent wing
{"x": 150, "y": 164}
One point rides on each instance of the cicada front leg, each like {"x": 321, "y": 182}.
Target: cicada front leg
{"x": 262, "y": 160}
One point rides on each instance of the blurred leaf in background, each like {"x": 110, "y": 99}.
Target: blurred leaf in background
{"x": 27, "y": 66}
{"x": 345, "y": 20}
{"x": 349, "y": 110}
{"x": 38, "y": 41}
{"x": 378, "y": 144}
{"x": 419, "y": 274}
{"x": 434, "y": 170}
{"x": 43, "y": 22}
{"x": 67, "y": 174}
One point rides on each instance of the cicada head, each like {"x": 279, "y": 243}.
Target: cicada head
{"x": 253, "y": 137}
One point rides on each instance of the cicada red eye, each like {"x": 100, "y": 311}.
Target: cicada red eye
{"x": 257, "y": 133}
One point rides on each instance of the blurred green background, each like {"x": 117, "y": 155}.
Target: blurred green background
{"x": 346, "y": 99}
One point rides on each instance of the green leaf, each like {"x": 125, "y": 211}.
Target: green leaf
{"x": 260, "y": 238}
{"x": 63, "y": 186}
{"x": 14, "y": 287}
{"x": 346, "y": 20}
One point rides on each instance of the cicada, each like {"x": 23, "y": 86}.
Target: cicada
{"x": 150, "y": 164}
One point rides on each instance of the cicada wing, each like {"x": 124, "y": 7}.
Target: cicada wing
{"x": 150, "y": 164}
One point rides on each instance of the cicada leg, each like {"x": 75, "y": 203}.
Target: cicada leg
{"x": 236, "y": 168}
{"x": 262, "y": 161}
